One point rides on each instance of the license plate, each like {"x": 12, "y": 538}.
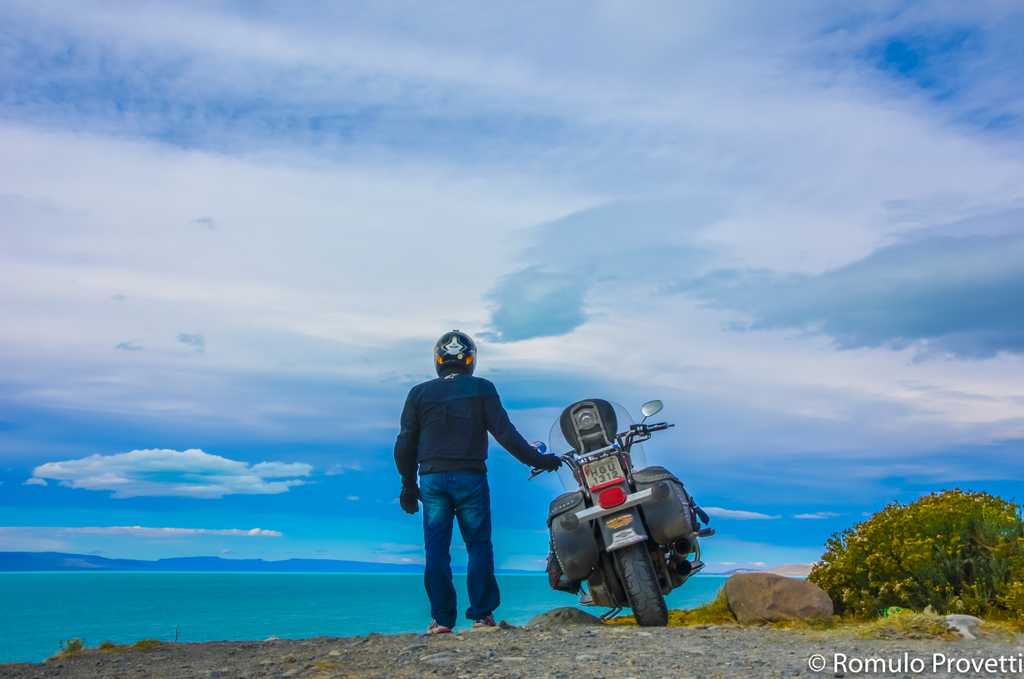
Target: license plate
{"x": 602, "y": 471}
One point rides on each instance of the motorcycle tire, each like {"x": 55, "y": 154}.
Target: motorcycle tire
{"x": 641, "y": 584}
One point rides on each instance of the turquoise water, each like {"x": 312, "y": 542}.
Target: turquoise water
{"x": 38, "y": 610}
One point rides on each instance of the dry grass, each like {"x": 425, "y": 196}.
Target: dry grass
{"x": 809, "y": 625}
{"x": 908, "y": 625}
{"x": 715, "y": 613}
{"x": 147, "y": 645}
{"x": 68, "y": 648}
{"x": 1008, "y": 630}
{"x": 75, "y": 646}
{"x": 111, "y": 647}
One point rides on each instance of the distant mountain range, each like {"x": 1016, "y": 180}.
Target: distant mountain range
{"x": 59, "y": 561}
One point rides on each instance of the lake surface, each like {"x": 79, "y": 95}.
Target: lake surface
{"x": 38, "y": 610}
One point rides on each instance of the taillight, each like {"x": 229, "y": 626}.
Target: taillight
{"x": 611, "y": 497}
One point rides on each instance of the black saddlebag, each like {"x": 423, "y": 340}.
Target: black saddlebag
{"x": 573, "y": 541}
{"x": 557, "y": 579}
{"x": 669, "y": 514}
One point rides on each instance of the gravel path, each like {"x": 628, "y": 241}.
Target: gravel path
{"x": 564, "y": 652}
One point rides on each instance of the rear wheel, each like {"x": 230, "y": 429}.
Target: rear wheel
{"x": 641, "y": 585}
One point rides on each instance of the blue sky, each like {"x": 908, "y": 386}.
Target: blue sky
{"x": 232, "y": 232}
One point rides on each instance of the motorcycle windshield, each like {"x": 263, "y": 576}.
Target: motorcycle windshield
{"x": 559, "y": 444}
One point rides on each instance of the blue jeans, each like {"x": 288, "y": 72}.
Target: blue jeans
{"x": 465, "y": 496}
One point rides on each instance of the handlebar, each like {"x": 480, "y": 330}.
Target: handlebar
{"x": 634, "y": 429}
{"x": 649, "y": 428}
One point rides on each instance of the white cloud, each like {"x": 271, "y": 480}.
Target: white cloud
{"x": 190, "y": 473}
{"x": 20, "y": 539}
{"x": 34, "y": 481}
{"x": 816, "y": 515}
{"x": 339, "y": 468}
{"x": 352, "y": 498}
{"x": 164, "y": 532}
{"x": 816, "y": 156}
{"x": 740, "y": 514}
{"x": 84, "y": 539}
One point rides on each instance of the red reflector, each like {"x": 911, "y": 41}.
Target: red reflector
{"x": 611, "y": 497}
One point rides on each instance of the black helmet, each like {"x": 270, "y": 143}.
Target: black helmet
{"x": 455, "y": 351}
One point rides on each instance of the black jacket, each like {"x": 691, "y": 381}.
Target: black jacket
{"x": 445, "y": 423}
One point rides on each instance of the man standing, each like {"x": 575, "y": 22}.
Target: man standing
{"x": 444, "y": 434}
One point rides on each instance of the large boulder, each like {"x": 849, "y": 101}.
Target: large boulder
{"x": 966, "y": 625}
{"x": 564, "y": 616}
{"x": 766, "y": 597}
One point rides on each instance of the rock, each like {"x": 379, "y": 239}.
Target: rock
{"x": 564, "y": 616}
{"x": 484, "y": 628}
{"x": 966, "y": 625}
{"x": 442, "y": 658}
{"x": 766, "y": 597}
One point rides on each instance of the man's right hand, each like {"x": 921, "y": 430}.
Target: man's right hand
{"x": 410, "y": 499}
{"x": 549, "y": 463}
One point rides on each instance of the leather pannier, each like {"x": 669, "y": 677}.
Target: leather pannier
{"x": 669, "y": 515}
{"x": 572, "y": 541}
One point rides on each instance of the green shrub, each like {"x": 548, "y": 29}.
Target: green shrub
{"x": 956, "y": 551}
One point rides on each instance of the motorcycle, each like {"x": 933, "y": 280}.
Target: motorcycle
{"x": 630, "y": 532}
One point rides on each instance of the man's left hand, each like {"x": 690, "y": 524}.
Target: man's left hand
{"x": 549, "y": 463}
{"x": 409, "y": 499}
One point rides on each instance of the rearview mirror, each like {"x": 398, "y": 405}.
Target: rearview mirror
{"x": 651, "y": 408}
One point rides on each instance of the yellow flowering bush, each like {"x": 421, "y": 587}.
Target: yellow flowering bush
{"x": 956, "y": 551}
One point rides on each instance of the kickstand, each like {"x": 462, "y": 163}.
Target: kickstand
{"x": 610, "y": 614}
